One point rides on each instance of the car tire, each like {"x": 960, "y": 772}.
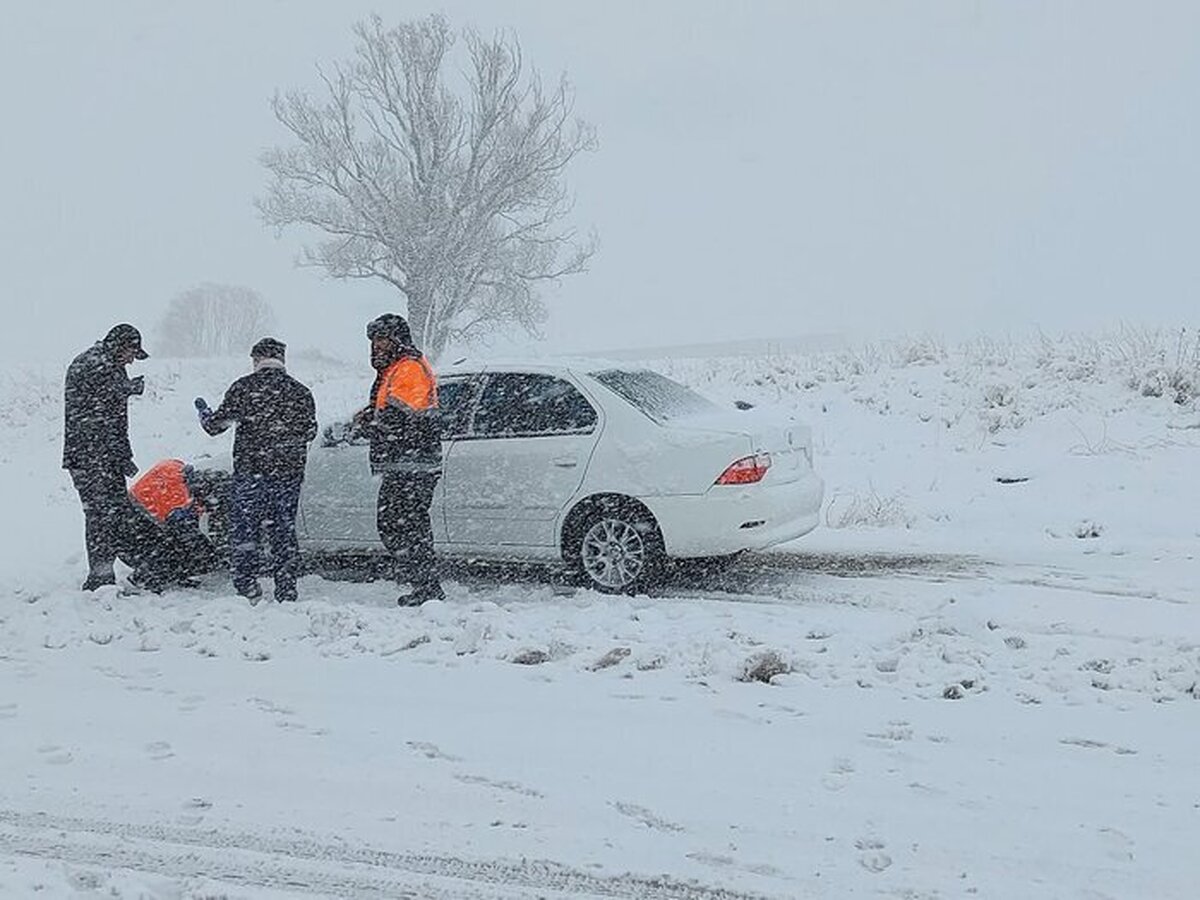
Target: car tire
{"x": 616, "y": 548}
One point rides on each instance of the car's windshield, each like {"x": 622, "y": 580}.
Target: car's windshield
{"x": 656, "y": 395}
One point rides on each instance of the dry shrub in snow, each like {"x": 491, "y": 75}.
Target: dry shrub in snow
{"x": 530, "y": 657}
{"x": 763, "y": 667}
{"x": 1160, "y": 364}
{"x": 920, "y": 352}
{"x": 1000, "y": 408}
{"x": 866, "y": 509}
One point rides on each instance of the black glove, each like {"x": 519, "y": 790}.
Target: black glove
{"x": 203, "y": 409}
{"x": 131, "y": 469}
{"x": 137, "y": 386}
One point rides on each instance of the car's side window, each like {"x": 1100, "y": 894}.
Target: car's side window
{"x": 454, "y": 406}
{"x": 527, "y": 404}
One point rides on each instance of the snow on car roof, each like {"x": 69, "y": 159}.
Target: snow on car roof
{"x": 584, "y": 364}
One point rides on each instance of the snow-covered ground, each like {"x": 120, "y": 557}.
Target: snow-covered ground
{"x": 988, "y": 659}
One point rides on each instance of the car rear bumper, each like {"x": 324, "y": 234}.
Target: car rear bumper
{"x": 728, "y": 519}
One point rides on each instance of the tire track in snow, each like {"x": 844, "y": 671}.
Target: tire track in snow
{"x": 311, "y": 866}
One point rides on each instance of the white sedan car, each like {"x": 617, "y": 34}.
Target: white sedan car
{"x": 610, "y": 469}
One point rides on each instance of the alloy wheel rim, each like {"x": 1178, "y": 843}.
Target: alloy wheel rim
{"x": 613, "y": 553}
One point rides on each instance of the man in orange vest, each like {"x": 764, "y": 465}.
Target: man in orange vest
{"x": 406, "y": 449}
{"x": 172, "y": 496}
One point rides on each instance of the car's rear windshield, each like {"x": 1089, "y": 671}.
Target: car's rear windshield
{"x": 656, "y": 395}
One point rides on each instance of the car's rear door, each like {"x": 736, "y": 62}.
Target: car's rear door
{"x": 523, "y": 459}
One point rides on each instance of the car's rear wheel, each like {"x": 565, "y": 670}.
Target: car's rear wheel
{"x": 616, "y": 548}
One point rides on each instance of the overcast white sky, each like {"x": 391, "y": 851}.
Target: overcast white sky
{"x": 765, "y": 169}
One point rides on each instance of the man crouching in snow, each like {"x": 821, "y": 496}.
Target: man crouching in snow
{"x": 276, "y": 420}
{"x": 172, "y": 548}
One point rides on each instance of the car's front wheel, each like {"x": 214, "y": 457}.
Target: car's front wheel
{"x": 616, "y": 548}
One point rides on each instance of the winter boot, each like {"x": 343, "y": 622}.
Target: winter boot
{"x": 142, "y": 580}
{"x": 99, "y": 578}
{"x": 423, "y": 593}
{"x": 252, "y": 591}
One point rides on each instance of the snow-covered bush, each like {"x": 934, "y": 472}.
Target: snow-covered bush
{"x": 1160, "y": 364}
{"x": 866, "y": 509}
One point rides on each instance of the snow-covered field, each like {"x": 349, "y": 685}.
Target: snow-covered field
{"x": 988, "y": 659}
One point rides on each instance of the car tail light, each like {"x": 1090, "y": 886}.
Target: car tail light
{"x": 747, "y": 470}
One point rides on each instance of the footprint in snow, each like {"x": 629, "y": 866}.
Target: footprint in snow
{"x": 839, "y": 775}
{"x": 159, "y": 750}
{"x": 55, "y": 755}
{"x": 8, "y": 710}
{"x": 512, "y": 787}
{"x": 645, "y": 817}
{"x": 895, "y": 732}
{"x": 1117, "y": 845}
{"x": 190, "y": 703}
{"x": 871, "y": 856}
{"x": 431, "y": 751}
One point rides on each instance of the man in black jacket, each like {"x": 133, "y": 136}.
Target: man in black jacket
{"x": 276, "y": 420}
{"x": 96, "y": 447}
{"x": 406, "y": 448}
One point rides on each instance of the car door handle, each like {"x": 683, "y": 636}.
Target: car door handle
{"x": 565, "y": 462}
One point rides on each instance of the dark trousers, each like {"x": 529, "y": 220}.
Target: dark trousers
{"x": 402, "y": 515}
{"x": 109, "y": 518}
{"x": 175, "y": 550}
{"x": 264, "y": 503}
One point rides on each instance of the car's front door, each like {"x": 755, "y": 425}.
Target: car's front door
{"x": 524, "y": 457}
{"x": 339, "y": 497}
{"x": 337, "y": 502}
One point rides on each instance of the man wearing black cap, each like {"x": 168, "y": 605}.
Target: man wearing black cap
{"x": 406, "y": 449}
{"x": 276, "y": 420}
{"x": 96, "y": 447}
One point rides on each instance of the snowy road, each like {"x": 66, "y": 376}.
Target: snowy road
{"x": 297, "y": 864}
{"x": 946, "y": 718}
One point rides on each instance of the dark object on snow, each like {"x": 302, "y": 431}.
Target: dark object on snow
{"x": 406, "y": 447}
{"x": 1012, "y": 479}
{"x": 530, "y": 658}
{"x": 96, "y": 448}
{"x": 610, "y": 659}
{"x": 763, "y": 667}
{"x": 276, "y": 420}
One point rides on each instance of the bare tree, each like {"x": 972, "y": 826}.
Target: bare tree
{"x": 214, "y": 320}
{"x": 453, "y": 197}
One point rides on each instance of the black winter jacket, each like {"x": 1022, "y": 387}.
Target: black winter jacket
{"x": 96, "y": 412}
{"x": 276, "y": 419}
{"x": 403, "y": 440}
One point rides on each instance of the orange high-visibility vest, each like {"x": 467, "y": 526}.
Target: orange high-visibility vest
{"x": 162, "y": 489}
{"x": 409, "y": 381}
